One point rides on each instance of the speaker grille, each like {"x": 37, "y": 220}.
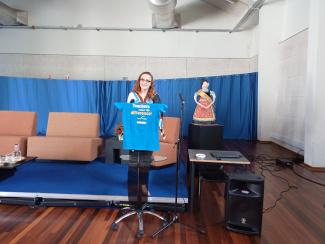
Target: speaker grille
{"x": 244, "y": 206}
{"x": 242, "y": 211}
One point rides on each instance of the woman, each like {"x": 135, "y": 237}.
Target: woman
{"x": 204, "y": 113}
{"x": 144, "y": 90}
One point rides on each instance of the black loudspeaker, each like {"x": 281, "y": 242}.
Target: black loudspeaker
{"x": 244, "y": 202}
{"x": 207, "y": 137}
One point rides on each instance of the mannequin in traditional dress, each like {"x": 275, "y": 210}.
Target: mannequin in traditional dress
{"x": 204, "y": 111}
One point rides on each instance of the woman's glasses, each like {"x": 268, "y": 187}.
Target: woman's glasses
{"x": 145, "y": 80}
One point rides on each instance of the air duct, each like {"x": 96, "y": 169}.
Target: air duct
{"x": 10, "y": 16}
{"x": 164, "y": 16}
{"x": 256, "y": 6}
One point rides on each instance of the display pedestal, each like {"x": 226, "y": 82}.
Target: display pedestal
{"x": 113, "y": 150}
{"x": 205, "y": 137}
{"x": 137, "y": 126}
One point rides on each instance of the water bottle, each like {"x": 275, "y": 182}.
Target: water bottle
{"x": 16, "y": 154}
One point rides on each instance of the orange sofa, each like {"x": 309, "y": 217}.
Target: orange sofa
{"x": 168, "y": 147}
{"x": 15, "y": 128}
{"x": 69, "y": 137}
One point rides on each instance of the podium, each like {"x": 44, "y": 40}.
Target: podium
{"x": 140, "y": 120}
{"x": 205, "y": 137}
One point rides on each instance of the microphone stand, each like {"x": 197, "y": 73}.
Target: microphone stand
{"x": 175, "y": 216}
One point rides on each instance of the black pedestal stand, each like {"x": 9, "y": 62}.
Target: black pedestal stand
{"x": 175, "y": 216}
{"x": 137, "y": 160}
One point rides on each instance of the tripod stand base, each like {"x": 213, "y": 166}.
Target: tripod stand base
{"x": 139, "y": 212}
{"x": 175, "y": 217}
{"x": 176, "y": 220}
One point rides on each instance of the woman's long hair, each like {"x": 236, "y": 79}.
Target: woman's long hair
{"x": 151, "y": 91}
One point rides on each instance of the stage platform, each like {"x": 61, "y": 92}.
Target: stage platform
{"x": 96, "y": 182}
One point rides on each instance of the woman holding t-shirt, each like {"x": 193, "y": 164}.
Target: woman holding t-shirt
{"x": 143, "y": 92}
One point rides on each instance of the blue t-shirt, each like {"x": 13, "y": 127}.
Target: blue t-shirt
{"x": 141, "y": 125}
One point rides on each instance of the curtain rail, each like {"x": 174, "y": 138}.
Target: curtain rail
{"x": 111, "y": 29}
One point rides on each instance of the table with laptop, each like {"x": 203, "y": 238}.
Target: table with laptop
{"x": 211, "y": 157}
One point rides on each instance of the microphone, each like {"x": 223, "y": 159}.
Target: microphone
{"x": 182, "y": 99}
{"x": 132, "y": 101}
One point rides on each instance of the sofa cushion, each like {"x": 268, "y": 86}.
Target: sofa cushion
{"x": 171, "y": 129}
{"x": 168, "y": 150}
{"x": 73, "y": 125}
{"x": 168, "y": 147}
{"x": 18, "y": 123}
{"x": 7, "y": 144}
{"x": 64, "y": 148}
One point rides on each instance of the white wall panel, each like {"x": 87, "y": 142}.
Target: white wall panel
{"x": 43, "y": 72}
{"x": 282, "y": 87}
{"x": 295, "y": 107}
{"x": 238, "y": 66}
{"x": 11, "y": 59}
{"x": 207, "y": 64}
{"x": 291, "y": 97}
{"x": 285, "y": 49}
{"x": 253, "y": 64}
{"x": 117, "y": 68}
{"x": 284, "y": 67}
{"x": 297, "y": 85}
{"x": 281, "y": 106}
{"x": 13, "y": 71}
{"x": 298, "y": 65}
{"x": 299, "y": 46}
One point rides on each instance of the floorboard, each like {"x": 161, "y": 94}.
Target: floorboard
{"x": 293, "y": 211}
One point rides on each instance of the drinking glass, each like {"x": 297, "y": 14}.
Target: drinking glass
{"x": 2, "y": 158}
{"x": 8, "y": 157}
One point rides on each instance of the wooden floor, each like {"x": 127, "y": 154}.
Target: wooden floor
{"x": 298, "y": 217}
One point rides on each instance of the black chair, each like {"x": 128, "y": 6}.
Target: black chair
{"x": 138, "y": 174}
{"x": 212, "y": 174}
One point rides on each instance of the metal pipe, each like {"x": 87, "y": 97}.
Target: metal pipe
{"x": 110, "y": 29}
{"x": 163, "y": 13}
{"x": 11, "y": 16}
{"x": 256, "y": 6}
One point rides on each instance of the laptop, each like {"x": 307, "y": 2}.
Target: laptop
{"x": 225, "y": 154}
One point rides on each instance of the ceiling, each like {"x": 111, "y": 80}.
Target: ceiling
{"x": 245, "y": 13}
{"x": 235, "y": 7}
{"x": 239, "y": 8}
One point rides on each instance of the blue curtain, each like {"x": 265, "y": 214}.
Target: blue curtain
{"x": 236, "y": 102}
{"x": 44, "y": 96}
{"x": 113, "y": 91}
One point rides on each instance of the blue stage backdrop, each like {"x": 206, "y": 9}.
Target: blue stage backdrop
{"x": 236, "y": 102}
